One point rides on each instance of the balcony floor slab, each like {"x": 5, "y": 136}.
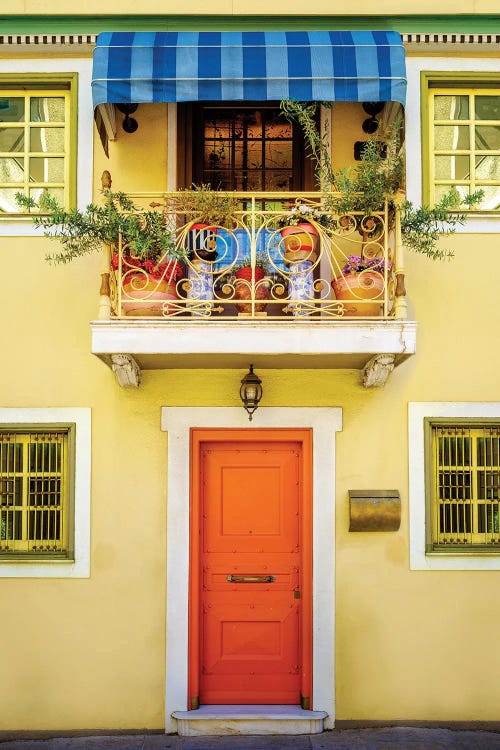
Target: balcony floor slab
{"x": 185, "y": 344}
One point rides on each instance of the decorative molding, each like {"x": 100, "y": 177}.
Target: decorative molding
{"x": 126, "y": 369}
{"x": 450, "y": 38}
{"x": 86, "y": 42}
{"x": 39, "y": 41}
{"x": 377, "y": 370}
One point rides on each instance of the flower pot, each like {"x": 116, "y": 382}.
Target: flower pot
{"x": 200, "y": 287}
{"x": 301, "y": 242}
{"x": 201, "y": 242}
{"x": 145, "y": 295}
{"x": 364, "y": 285}
{"x": 245, "y": 283}
{"x": 301, "y": 288}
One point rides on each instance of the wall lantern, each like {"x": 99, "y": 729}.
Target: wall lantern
{"x": 251, "y": 392}
{"x": 372, "y": 108}
{"x": 129, "y": 124}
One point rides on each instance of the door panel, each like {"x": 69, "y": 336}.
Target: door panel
{"x": 250, "y": 529}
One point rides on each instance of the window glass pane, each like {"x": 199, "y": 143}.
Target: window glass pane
{"x": 491, "y": 199}
{"x": 11, "y": 170}
{"x": 451, "y": 137}
{"x": 11, "y": 139}
{"x": 451, "y": 107}
{"x": 47, "y": 169}
{"x": 12, "y": 109}
{"x": 452, "y": 167}
{"x": 488, "y": 168}
{"x": 441, "y": 190}
{"x": 47, "y": 109}
{"x": 8, "y": 203}
{"x": 47, "y": 139}
{"x": 487, "y": 137}
{"x": 487, "y": 107}
{"x": 57, "y": 193}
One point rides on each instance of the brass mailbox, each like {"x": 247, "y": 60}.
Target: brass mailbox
{"x": 374, "y": 510}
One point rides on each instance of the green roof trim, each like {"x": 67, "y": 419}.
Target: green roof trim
{"x": 81, "y": 24}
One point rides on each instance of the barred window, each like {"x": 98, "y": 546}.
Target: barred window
{"x": 35, "y": 495}
{"x": 464, "y": 143}
{"x": 34, "y": 145}
{"x": 465, "y": 488}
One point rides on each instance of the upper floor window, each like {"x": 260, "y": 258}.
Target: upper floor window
{"x": 464, "y": 139}
{"x": 36, "y": 134}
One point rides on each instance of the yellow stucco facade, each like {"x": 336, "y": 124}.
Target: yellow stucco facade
{"x": 89, "y": 653}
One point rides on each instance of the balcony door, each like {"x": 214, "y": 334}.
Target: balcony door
{"x": 242, "y": 147}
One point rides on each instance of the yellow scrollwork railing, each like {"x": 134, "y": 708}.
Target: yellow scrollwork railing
{"x": 280, "y": 256}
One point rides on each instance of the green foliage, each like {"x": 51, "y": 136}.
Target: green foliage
{"x": 145, "y": 231}
{"x": 376, "y": 179}
{"x": 422, "y": 227}
{"x": 207, "y": 206}
{"x": 317, "y": 143}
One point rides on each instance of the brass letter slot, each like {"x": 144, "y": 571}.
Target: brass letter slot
{"x": 250, "y": 579}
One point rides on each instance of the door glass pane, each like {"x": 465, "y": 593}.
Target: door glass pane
{"x": 451, "y": 107}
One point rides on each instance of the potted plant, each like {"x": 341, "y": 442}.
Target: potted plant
{"x": 252, "y": 282}
{"x": 206, "y": 210}
{"x": 362, "y": 278}
{"x": 149, "y": 261}
{"x": 377, "y": 178}
{"x": 299, "y": 229}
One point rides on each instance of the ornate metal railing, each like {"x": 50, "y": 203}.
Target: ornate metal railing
{"x": 261, "y": 265}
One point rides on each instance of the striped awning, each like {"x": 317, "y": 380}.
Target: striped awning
{"x": 184, "y": 66}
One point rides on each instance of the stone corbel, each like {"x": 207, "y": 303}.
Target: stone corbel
{"x": 377, "y": 370}
{"x": 126, "y": 369}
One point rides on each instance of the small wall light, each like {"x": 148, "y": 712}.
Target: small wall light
{"x": 129, "y": 124}
{"x": 251, "y": 392}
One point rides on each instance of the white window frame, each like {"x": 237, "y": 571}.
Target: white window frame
{"x": 23, "y": 226}
{"x": 476, "y": 223}
{"x": 419, "y": 558}
{"x": 60, "y": 568}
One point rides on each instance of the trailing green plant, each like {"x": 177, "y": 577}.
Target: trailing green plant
{"x": 376, "y": 179}
{"x": 317, "y": 143}
{"x": 203, "y": 204}
{"x": 145, "y": 231}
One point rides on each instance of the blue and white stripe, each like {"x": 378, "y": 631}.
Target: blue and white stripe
{"x": 169, "y": 66}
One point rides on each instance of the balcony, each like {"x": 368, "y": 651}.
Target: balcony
{"x": 325, "y": 293}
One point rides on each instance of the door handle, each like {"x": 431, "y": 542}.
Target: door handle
{"x": 250, "y": 579}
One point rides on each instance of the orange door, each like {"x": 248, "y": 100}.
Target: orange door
{"x": 251, "y": 645}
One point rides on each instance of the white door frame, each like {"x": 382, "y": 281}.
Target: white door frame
{"x": 324, "y": 423}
